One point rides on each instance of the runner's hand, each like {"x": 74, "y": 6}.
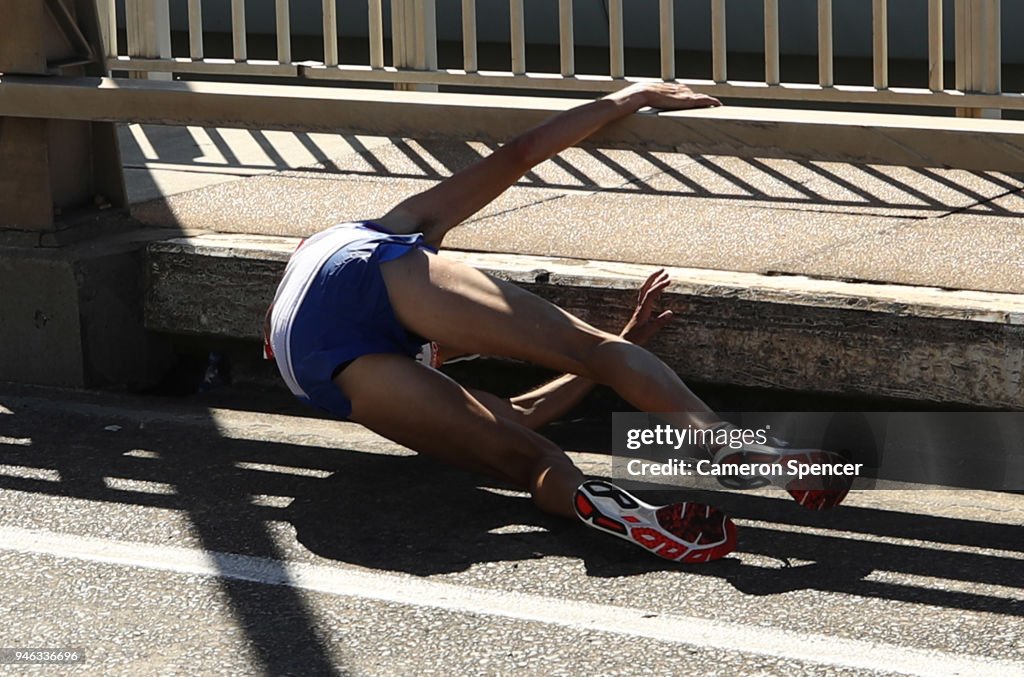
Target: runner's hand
{"x": 668, "y": 96}
{"x": 642, "y": 326}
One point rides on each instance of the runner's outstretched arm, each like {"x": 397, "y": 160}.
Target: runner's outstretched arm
{"x": 439, "y": 209}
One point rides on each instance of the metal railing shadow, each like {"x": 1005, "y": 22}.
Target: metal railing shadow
{"x": 160, "y": 465}
{"x": 412, "y": 515}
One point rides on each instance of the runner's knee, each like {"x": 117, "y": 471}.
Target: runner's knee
{"x": 528, "y": 453}
{"x": 607, "y": 353}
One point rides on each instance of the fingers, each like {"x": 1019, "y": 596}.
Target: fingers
{"x": 653, "y": 286}
{"x": 707, "y": 101}
{"x": 654, "y": 277}
{"x": 646, "y": 285}
{"x": 675, "y": 96}
{"x": 692, "y": 100}
{"x": 645, "y": 288}
{"x": 661, "y": 320}
{"x": 650, "y": 293}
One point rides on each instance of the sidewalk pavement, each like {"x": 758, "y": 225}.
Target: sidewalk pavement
{"x": 940, "y": 228}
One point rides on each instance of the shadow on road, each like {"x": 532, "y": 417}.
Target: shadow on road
{"x": 408, "y": 514}
{"x": 182, "y": 465}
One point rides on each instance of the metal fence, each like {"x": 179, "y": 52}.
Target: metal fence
{"x": 413, "y": 31}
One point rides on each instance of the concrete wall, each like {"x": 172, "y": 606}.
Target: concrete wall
{"x": 72, "y": 316}
{"x": 735, "y": 332}
{"x": 852, "y": 19}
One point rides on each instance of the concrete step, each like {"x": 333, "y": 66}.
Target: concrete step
{"x": 786, "y": 332}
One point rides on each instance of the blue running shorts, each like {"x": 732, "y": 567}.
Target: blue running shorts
{"x": 332, "y": 307}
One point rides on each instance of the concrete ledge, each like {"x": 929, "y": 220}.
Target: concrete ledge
{"x": 791, "y": 333}
{"x": 913, "y": 141}
{"x": 73, "y": 315}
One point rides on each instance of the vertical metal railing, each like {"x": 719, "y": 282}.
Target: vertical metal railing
{"x": 719, "y": 68}
{"x": 107, "y": 12}
{"x": 772, "y": 71}
{"x": 667, "y": 36}
{"x": 825, "y": 76}
{"x": 566, "y": 43}
{"x": 414, "y": 39}
{"x": 195, "y": 29}
{"x": 330, "y": 16}
{"x": 148, "y": 33}
{"x": 977, "y": 92}
{"x": 517, "y": 36}
{"x": 282, "y": 26}
{"x": 470, "y": 61}
{"x": 880, "y": 43}
{"x": 989, "y": 37}
{"x": 616, "y": 42}
{"x": 375, "y": 32}
{"x": 978, "y": 51}
{"x": 936, "y": 58}
{"x": 962, "y": 42}
{"x": 239, "y": 43}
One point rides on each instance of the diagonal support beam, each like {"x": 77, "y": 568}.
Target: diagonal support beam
{"x": 69, "y": 29}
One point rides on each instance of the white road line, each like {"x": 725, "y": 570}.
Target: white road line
{"x": 141, "y": 486}
{"x": 886, "y": 540}
{"x": 30, "y": 472}
{"x": 285, "y": 469}
{"x": 408, "y": 590}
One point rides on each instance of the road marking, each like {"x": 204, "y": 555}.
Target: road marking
{"x": 999, "y": 592}
{"x": 30, "y": 472}
{"x": 408, "y": 590}
{"x": 283, "y": 469}
{"x": 141, "y": 486}
{"x": 886, "y": 540}
{"x": 141, "y": 453}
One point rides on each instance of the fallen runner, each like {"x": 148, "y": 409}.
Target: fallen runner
{"x": 367, "y": 310}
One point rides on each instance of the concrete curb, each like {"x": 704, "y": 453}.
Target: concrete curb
{"x": 786, "y": 332}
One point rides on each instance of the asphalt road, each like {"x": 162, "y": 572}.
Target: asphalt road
{"x": 172, "y": 537}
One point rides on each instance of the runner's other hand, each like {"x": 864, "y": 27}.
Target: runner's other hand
{"x": 642, "y": 326}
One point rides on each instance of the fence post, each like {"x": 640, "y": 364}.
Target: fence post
{"x": 70, "y": 297}
{"x": 414, "y": 39}
{"x": 148, "y": 32}
{"x": 108, "y": 27}
{"x": 51, "y": 167}
{"x": 979, "y": 52}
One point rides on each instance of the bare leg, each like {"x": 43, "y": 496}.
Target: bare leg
{"x": 432, "y": 414}
{"x": 458, "y": 306}
{"x": 428, "y": 412}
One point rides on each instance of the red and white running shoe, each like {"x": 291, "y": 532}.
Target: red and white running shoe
{"x": 682, "y": 532}
{"x": 814, "y": 492}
